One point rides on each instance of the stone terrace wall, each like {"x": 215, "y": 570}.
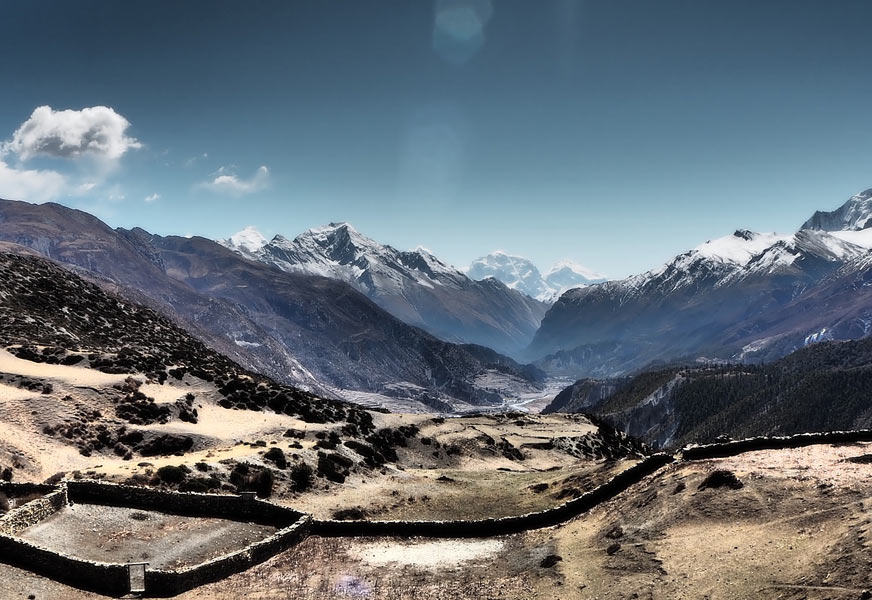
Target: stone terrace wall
{"x": 724, "y": 449}
{"x": 222, "y": 506}
{"x": 171, "y": 583}
{"x": 502, "y": 526}
{"x": 33, "y": 512}
{"x": 104, "y": 578}
{"x": 21, "y": 488}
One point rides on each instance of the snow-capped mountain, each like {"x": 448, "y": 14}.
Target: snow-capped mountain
{"x": 853, "y": 215}
{"x": 521, "y": 274}
{"x": 710, "y": 301}
{"x": 413, "y": 285}
{"x": 246, "y": 241}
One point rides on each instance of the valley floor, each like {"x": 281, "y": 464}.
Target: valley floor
{"x": 799, "y": 527}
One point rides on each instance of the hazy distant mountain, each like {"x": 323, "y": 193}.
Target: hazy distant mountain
{"x": 298, "y": 328}
{"x": 736, "y": 297}
{"x": 414, "y": 285}
{"x": 521, "y": 274}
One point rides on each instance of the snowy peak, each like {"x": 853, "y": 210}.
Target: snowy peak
{"x": 516, "y": 272}
{"x": 853, "y": 215}
{"x": 247, "y": 241}
{"x": 739, "y": 248}
{"x": 521, "y": 274}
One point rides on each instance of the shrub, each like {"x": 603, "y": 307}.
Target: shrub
{"x": 171, "y": 474}
{"x": 721, "y": 478}
{"x": 262, "y": 483}
{"x": 277, "y": 456}
{"x": 302, "y": 477}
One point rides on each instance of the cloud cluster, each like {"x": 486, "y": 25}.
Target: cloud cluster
{"x": 30, "y": 184}
{"x": 152, "y": 198}
{"x": 97, "y": 131}
{"x": 229, "y": 183}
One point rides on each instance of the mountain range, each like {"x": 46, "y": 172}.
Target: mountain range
{"x": 334, "y": 311}
{"x": 307, "y": 330}
{"x": 414, "y": 286}
{"x": 744, "y": 297}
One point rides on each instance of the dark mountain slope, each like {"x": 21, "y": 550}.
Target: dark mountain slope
{"x": 826, "y": 386}
{"x": 48, "y": 314}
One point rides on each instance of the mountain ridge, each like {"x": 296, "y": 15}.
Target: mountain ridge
{"x": 412, "y": 285}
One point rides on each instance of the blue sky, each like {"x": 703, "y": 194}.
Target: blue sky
{"x": 615, "y": 133}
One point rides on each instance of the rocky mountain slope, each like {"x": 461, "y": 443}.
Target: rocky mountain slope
{"x": 521, "y": 274}
{"x": 414, "y": 286}
{"x": 734, "y": 298}
{"x": 300, "y": 329}
{"x": 822, "y": 387}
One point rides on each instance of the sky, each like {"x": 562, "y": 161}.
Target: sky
{"x": 616, "y": 133}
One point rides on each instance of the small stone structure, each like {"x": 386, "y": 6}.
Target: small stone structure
{"x": 113, "y": 579}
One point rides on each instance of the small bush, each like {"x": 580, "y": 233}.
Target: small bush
{"x": 721, "y": 478}
{"x": 302, "y": 477}
{"x": 171, "y": 474}
{"x": 277, "y": 456}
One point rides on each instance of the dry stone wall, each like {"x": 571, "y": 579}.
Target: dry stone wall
{"x": 33, "y": 512}
{"x": 192, "y": 504}
{"x": 171, "y": 583}
{"x": 502, "y": 526}
{"x": 733, "y": 447}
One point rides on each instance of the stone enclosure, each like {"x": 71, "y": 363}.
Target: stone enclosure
{"x": 290, "y": 527}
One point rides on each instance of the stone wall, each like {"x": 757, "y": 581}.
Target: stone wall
{"x": 33, "y": 512}
{"x": 502, "y": 526}
{"x": 731, "y": 448}
{"x": 15, "y": 488}
{"x": 294, "y": 527}
{"x": 221, "y": 506}
{"x": 171, "y": 583}
{"x": 104, "y": 578}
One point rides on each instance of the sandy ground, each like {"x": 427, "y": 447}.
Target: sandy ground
{"x": 9, "y": 393}
{"x": 114, "y": 534}
{"x": 438, "y": 554}
{"x": 73, "y": 376}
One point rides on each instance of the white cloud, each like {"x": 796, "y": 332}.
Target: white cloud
{"x": 230, "y": 183}
{"x": 152, "y": 198}
{"x": 96, "y": 131}
{"x": 31, "y": 185}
